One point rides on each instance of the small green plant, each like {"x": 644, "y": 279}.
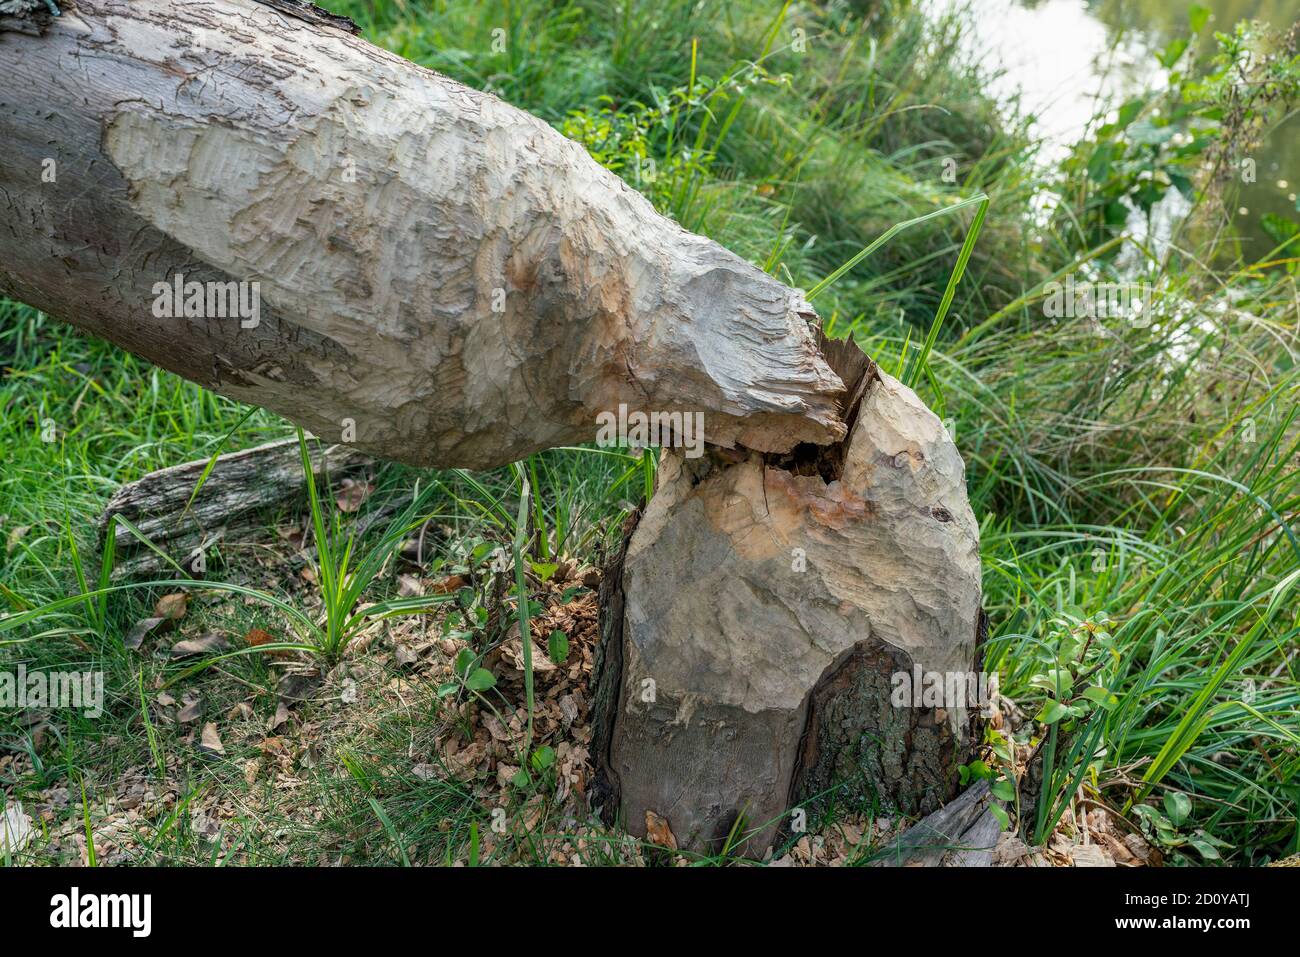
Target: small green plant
{"x": 1163, "y": 139}
{"x": 344, "y": 578}
{"x": 667, "y": 149}
{"x": 1164, "y": 827}
{"x": 1072, "y": 661}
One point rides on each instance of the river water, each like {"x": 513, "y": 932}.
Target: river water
{"x": 1065, "y": 57}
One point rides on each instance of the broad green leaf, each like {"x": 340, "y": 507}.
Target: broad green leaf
{"x": 1177, "y": 805}
{"x": 1172, "y": 53}
{"x": 1051, "y": 712}
{"x": 557, "y": 647}
{"x": 1101, "y": 697}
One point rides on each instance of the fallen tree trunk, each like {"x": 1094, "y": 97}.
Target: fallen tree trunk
{"x": 250, "y": 196}
{"x": 440, "y": 278}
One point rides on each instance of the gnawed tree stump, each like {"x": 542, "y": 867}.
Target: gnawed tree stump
{"x": 763, "y": 611}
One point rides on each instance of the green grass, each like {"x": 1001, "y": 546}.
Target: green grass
{"x": 1134, "y": 484}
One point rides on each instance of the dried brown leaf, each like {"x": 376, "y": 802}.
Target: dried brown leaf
{"x": 658, "y": 832}
{"x": 352, "y": 493}
{"x": 142, "y": 629}
{"x": 210, "y": 741}
{"x": 172, "y": 606}
{"x": 206, "y": 644}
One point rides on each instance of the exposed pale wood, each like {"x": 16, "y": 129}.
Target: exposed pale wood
{"x": 444, "y": 271}
{"x": 240, "y": 491}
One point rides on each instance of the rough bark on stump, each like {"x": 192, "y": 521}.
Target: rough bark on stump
{"x": 764, "y": 606}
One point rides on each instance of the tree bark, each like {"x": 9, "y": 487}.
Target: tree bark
{"x": 963, "y": 833}
{"x": 443, "y": 279}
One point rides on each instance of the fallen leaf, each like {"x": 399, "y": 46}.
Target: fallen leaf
{"x": 513, "y": 652}
{"x": 202, "y": 645}
{"x": 281, "y": 716}
{"x": 291, "y": 534}
{"x": 1117, "y": 850}
{"x": 1140, "y": 849}
{"x": 448, "y": 585}
{"x": 408, "y": 586}
{"x": 658, "y": 832}
{"x": 240, "y": 712}
{"x": 496, "y": 728}
{"x": 351, "y": 494}
{"x": 311, "y": 755}
{"x": 140, "y": 630}
{"x": 1090, "y": 855}
{"x": 464, "y": 763}
{"x": 172, "y": 606}
{"x": 298, "y": 685}
{"x": 256, "y": 636}
{"x": 192, "y": 711}
{"x": 210, "y": 741}
{"x": 348, "y": 694}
